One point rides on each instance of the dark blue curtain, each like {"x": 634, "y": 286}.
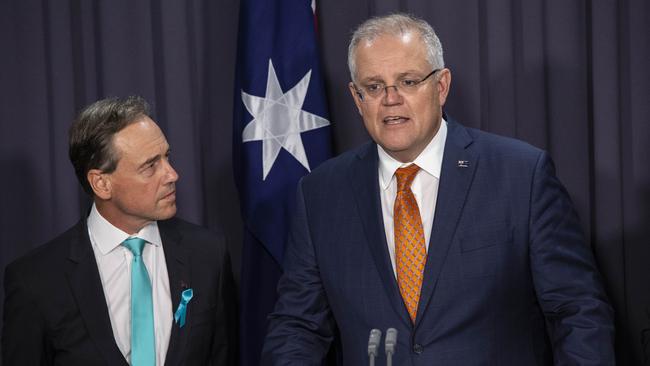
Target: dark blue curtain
{"x": 568, "y": 76}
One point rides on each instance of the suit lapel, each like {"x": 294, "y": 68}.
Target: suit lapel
{"x": 365, "y": 183}
{"x": 178, "y": 269}
{"x": 86, "y": 286}
{"x": 458, "y": 167}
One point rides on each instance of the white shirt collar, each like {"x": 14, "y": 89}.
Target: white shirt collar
{"x": 107, "y": 237}
{"x": 429, "y": 160}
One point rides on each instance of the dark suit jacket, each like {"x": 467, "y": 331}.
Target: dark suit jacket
{"x": 55, "y": 311}
{"x": 509, "y": 279}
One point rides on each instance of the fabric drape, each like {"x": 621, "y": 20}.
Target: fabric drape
{"x": 571, "y": 77}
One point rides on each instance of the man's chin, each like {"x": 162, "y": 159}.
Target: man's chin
{"x": 167, "y": 213}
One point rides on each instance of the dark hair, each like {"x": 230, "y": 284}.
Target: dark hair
{"x": 91, "y": 134}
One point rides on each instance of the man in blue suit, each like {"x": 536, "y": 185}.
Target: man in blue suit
{"x": 463, "y": 241}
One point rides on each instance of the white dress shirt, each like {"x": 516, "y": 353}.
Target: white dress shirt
{"x": 114, "y": 264}
{"x": 424, "y": 186}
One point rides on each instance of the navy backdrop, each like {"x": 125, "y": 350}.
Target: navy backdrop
{"x": 568, "y": 76}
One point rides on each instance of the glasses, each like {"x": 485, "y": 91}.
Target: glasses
{"x": 405, "y": 85}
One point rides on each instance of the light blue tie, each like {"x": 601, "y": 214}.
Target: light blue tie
{"x": 143, "y": 349}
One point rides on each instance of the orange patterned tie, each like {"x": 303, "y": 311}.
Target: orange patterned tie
{"x": 410, "y": 251}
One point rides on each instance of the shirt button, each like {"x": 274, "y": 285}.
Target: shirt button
{"x": 418, "y": 349}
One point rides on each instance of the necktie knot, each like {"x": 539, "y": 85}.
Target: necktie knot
{"x": 135, "y": 245}
{"x": 405, "y": 176}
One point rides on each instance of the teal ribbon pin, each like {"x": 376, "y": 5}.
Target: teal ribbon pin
{"x": 179, "y": 315}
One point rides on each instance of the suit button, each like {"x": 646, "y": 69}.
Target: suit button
{"x": 418, "y": 349}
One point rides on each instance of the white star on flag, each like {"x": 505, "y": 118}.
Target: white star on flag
{"x": 278, "y": 120}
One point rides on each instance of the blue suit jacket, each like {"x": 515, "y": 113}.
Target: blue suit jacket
{"x": 509, "y": 279}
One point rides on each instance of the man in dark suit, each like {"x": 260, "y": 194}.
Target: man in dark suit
{"x": 463, "y": 241}
{"x": 88, "y": 297}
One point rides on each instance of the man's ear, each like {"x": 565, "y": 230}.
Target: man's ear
{"x": 100, "y": 183}
{"x": 443, "y": 84}
{"x": 356, "y": 96}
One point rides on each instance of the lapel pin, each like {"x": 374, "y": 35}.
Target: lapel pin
{"x": 463, "y": 163}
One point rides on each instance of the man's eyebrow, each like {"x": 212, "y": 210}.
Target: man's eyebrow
{"x": 408, "y": 73}
{"x": 377, "y": 78}
{"x": 149, "y": 161}
{"x": 154, "y": 158}
{"x": 374, "y": 78}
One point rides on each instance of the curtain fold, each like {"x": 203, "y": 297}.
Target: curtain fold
{"x": 570, "y": 77}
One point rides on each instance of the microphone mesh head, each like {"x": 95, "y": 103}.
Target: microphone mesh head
{"x": 391, "y": 340}
{"x": 373, "y": 342}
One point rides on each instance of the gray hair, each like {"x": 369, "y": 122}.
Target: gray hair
{"x": 91, "y": 134}
{"x": 396, "y": 25}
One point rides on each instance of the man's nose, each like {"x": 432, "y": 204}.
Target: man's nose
{"x": 392, "y": 95}
{"x": 172, "y": 176}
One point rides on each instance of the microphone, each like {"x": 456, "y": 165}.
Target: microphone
{"x": 373, "y": 345}
{"x": 391, "y": 342}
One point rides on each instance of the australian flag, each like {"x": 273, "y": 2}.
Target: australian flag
{"x": 281, "y": 132}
